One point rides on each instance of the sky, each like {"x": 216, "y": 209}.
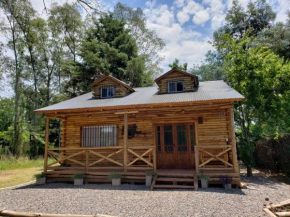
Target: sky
{"x": 186, "y": 26}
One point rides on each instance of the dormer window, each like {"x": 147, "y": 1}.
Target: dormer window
{"x": 175, "y": 86}
{"x": 107, "y": 92}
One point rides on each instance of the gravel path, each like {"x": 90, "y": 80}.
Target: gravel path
{"x": 137, "y": 200}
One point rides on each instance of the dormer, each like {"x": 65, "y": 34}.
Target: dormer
{"x": 110, "y": 87}
{"x": 177, "y": 81}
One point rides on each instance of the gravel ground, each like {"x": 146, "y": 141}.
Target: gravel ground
{"x": 137, "y": 200}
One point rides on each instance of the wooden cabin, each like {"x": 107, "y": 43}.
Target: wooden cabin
{"x": 179, "y": 128}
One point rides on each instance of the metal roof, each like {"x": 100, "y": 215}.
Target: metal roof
{"x": 209, "y": 90}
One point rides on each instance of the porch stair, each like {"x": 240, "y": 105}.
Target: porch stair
{"x": 174, "y": 181}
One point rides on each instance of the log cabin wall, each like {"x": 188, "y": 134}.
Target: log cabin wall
{"x": 120, "y": 90}
{"x": 215, "y": 128}
{"x": 189, "y": 82}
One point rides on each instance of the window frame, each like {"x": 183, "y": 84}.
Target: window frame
{"x": 108, "y": 91}
{"x": 175, "y": 85}
{"x": 95, "y": 135}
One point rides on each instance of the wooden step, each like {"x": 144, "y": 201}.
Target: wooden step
{"x": 173, "y": 186}
{"x": 169, "y": 179}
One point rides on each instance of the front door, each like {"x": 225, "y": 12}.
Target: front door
{"x": 175, "y": 146}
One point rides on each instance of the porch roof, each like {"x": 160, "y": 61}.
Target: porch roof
{"x": 207, "y": 91}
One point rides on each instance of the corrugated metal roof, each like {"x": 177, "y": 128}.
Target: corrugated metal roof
{"x": 209, "y": 90}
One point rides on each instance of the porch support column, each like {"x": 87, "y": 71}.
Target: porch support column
{"x": 46, "y": 143}
{"x": 125, "y": 142}
{"x": 196, "y": 151}
{"x": 234, "y": 143}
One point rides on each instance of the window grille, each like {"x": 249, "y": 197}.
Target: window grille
{"x": 99, "y": 136}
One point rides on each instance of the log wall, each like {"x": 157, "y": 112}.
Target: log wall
{"x": 189, "y": 82}
{"x": 215, "y": 128}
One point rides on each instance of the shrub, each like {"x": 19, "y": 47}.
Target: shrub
{"x": 40, "y": 175}
{"x": 150, "y": 173}
{"x": 226, "y": 180}
{"x": 203, "y": 176}
{"x": 114, "y": 175}
{"x": 79, "y": 176}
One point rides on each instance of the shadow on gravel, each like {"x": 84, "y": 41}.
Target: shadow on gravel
{"x": 123, "y": 187}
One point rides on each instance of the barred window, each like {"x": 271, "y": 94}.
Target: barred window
{"x": 99, "y": 136}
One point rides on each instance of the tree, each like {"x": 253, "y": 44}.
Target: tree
{"x": 11, "y": 30}
{"x": 108, "y": 48}
{"x": 175, "y": 64}
{"x": 148, "y": 42}
{"x": 211, "y": 69}
{"x": 277, "y": 38}
{"x": 261, "y": 77}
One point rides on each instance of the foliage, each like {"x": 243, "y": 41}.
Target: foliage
{"x": 277, "y": 38}
{"x": 226, "y": 180}
{"x": 203, "y": 176}
{"x": 150, "y": 173}
{"x": 273, "y": 154}
{"x": 176, "y": 65}
{"x": 114, "y": 176}
{"x": 40, "y": 175}
{"x": 262, "y": 78}
{"x": 147, "y": 40}
{"x": 211, "y": 69}
{"x": 79, "y": 176}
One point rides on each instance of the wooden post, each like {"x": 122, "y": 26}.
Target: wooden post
{"x": 46, "y": 143}
{"x": 87, "y": 161}
{"x": 234, "y": 144}
{"x": 196, "y": 151}
{"x": 125, "y": 142}
{"x": 155, "y": 149}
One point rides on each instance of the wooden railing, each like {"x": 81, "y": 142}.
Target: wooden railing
{"x": 218, "y": 153}
{"x": 88, "y": 159}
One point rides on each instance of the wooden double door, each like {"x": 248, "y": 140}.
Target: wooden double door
{"x": 175, "y": 145}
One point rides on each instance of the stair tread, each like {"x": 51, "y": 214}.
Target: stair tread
{"x": 173, "y": 186}
{"x": 169, "y": 179}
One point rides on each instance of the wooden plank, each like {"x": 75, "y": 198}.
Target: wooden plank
{"x": 283, "y": 214}
{"x": 125, "y": 147}
{"x": 266, "y": 210}
{"x": 110, "y": 155}
{"x": 144, "y": 154}
{"x": 174, "y": 186}
{"x": 126, "y": 112}
{"x": 46, "y": 144}
{"x": 215, "y": 157}
{"x": 105, "y": 157}
{"x": 140, "y": 157}
{"x": 219, "y": 154}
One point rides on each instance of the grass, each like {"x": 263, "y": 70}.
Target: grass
{"x": 17, "y": 176}
{"x": 11, "y": 163}
{"x": 18, "y": 171}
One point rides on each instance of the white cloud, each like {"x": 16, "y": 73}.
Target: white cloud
{"x": 182, "y": 17}
{"x": 201, "y": 17}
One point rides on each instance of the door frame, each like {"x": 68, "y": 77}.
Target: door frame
{"x": 174, "y": 123}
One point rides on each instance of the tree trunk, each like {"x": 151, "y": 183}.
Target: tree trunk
{"x": 249, "y": 171}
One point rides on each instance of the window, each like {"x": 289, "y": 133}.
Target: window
{"x": 176, "y": 86}
{"x": 107, "y": 92}
{"x": 99, "y": 136}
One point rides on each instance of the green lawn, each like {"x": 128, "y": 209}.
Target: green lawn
{"x": 11, "y": 163}
{"x": 18, "y": 171}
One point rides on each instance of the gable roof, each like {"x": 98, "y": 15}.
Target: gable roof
{"x": 98, "y": 81}
{"x": 179, "y": 71}
{"x": 207, "y": 91}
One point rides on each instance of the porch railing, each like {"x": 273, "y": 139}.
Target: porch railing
{"x": 89, "y": 159}
{"x": 206, "y": 154}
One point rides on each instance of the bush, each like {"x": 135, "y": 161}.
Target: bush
{"x": 274, "y": 154}
{"x": 79, "y": 176}
{"x": 114, "y": 175}
{"x": 40, "y": 175}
